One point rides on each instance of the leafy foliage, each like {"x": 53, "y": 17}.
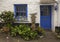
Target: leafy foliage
{"x": 24, "y": 31}
{"x": 7, "y": 16}
{"x": 40, "y": 31}
{"x": 14, "y": 30}
{"x": 8, "y": 19}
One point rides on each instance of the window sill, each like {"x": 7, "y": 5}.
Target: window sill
{"x": 21, "y": 21}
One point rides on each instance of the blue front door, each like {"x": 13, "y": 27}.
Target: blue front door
{"x": 45, "y": 16}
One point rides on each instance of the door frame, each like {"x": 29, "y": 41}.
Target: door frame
{"x": 51, "y": 14}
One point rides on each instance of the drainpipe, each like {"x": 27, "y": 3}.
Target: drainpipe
{"x": 58, "y": 13}
{"x": 56, "y": 5}
{"x": 58, "y": 9}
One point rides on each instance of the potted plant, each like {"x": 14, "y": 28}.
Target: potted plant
{"x": 33, "y": 20}
{"x": 41, "y": 32}
{"x": 57, "y": 31}
{"x": 8, "y": 19}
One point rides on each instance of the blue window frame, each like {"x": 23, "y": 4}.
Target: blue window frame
{"x": 20, "y": 11}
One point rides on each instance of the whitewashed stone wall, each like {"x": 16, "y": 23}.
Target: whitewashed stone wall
{"x": 33, "y": 7}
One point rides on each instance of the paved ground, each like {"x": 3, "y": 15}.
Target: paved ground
{"x": 48, "y": 38}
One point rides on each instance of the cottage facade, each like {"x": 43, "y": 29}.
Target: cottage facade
{"x": 47, "y": 11}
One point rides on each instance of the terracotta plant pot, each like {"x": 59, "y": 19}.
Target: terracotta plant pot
{"x": 5, "y": 29}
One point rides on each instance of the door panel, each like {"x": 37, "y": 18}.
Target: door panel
{"x": 45, "y": 17}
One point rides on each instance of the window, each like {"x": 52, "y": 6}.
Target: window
{"x": 21, "y": 12}
{"x": 44, "y": 10}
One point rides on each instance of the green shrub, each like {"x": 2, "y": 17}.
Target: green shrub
{"x": 14, "y": 30}
{"x": 24, "y": 31}
{"x": 41, "y": 31}
{"x": 8, "y": 19}
{"x": 7, "y": 16}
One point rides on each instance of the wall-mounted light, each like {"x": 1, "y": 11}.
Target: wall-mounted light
{"x": 56, "y": 5}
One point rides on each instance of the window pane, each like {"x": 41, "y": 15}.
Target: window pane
{"x": 23, "y": 14}
{"x": 20, "y": 8}
{"x": 17, "y": 13}
{"x": 17, "y": 8}
{"x": 45, "y": 10}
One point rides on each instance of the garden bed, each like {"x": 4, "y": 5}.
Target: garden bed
{"x": 26, "y": 31}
